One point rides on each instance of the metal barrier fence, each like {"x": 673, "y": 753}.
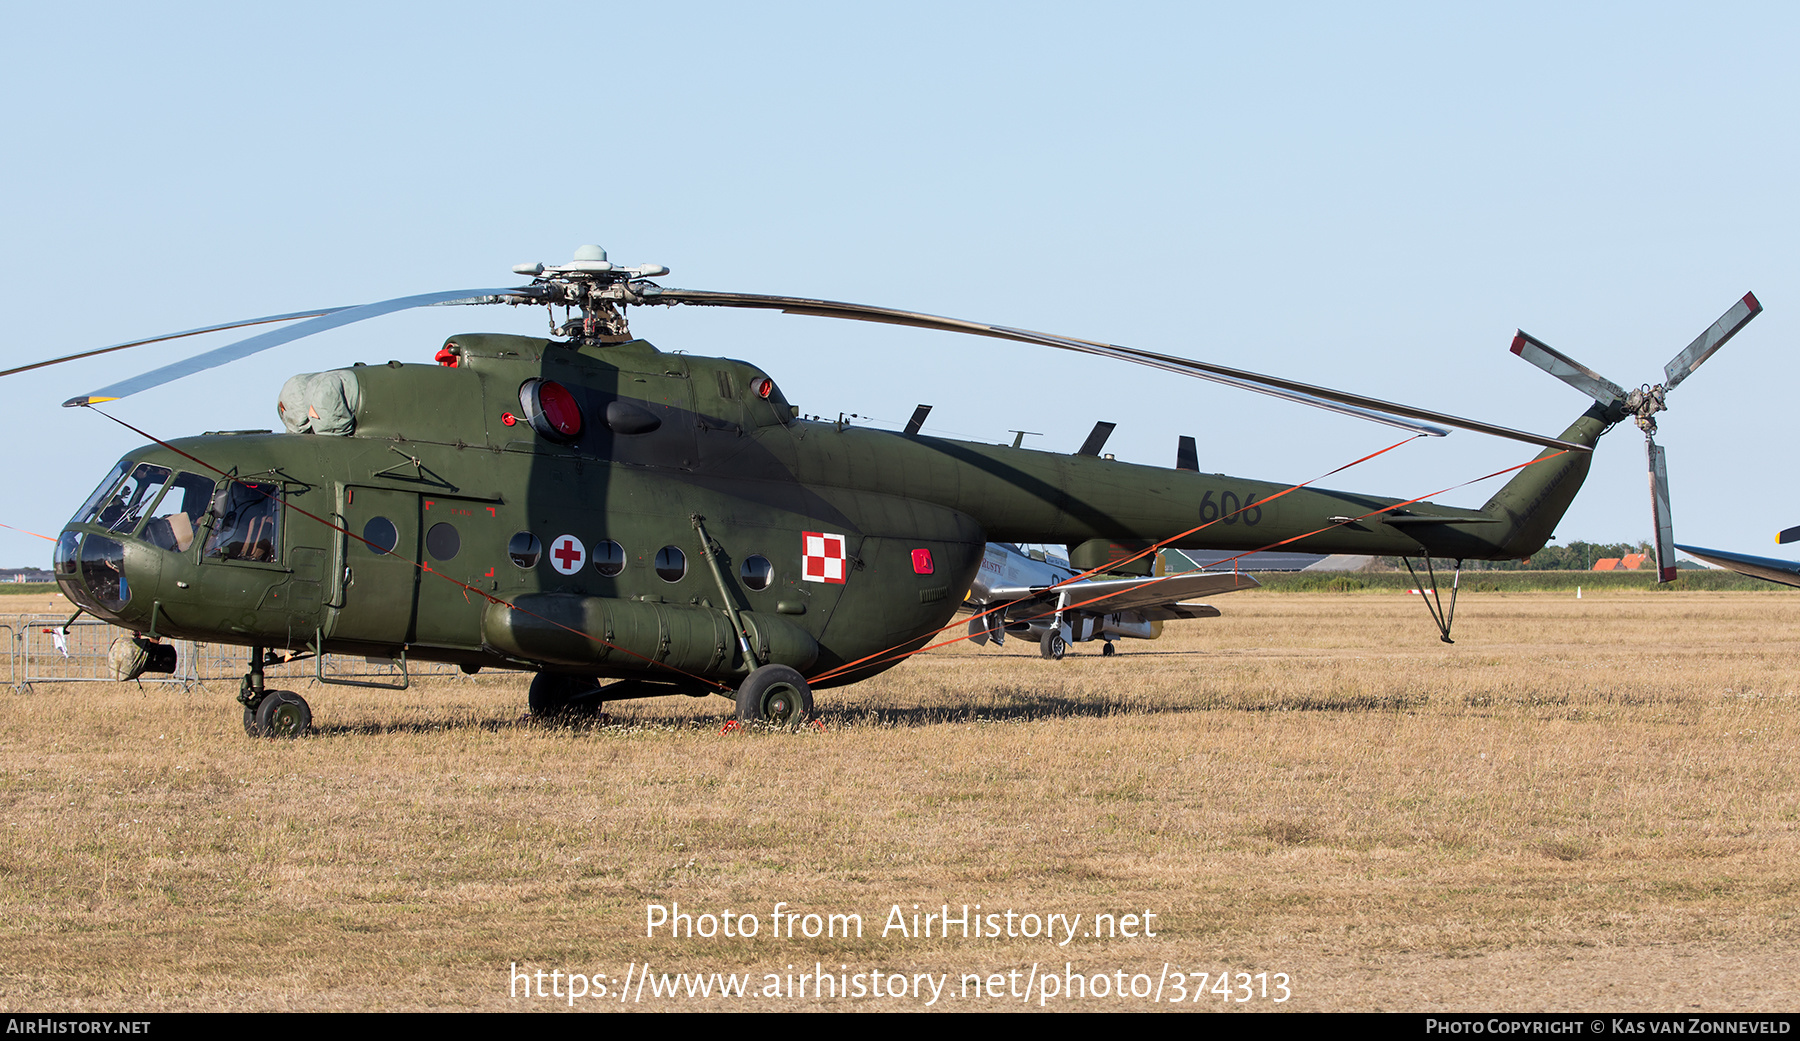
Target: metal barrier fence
{"x": 53, "y": 650}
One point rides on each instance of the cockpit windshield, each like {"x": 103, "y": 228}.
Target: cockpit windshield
{"x": 91, "y": 509}
{"x": 174, "y": 504}
{"x": 134, "y": 498}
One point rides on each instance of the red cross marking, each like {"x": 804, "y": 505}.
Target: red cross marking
{"x": 568, "y": 555}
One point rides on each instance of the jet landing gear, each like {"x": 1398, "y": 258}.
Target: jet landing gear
{"x": 271, "y": 713}
{"x": 777, "y": 695}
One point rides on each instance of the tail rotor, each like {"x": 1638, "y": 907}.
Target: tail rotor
{"x": 1642, "y": 404}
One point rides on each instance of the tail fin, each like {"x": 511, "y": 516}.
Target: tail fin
{"x": 1534, "y": 501}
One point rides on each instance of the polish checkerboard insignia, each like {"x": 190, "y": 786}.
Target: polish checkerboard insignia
{"x": 567, "y": 554}
{"x": 822, "y": 557}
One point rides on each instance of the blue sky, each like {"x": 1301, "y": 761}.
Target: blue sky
{"x": 1366, "y": 196}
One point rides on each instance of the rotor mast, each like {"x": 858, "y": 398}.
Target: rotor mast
{"x": 592, "y": 284}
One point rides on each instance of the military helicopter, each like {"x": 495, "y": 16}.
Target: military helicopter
{"x": 626, "y": 522}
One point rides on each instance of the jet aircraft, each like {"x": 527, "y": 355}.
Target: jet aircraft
{"x": 1038, "y": 595}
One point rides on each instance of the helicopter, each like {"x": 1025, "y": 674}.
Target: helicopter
{"x": 627, "y": 522}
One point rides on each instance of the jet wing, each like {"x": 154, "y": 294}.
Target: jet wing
{"x": 1128, "y": 594}
{"x": 1786, "y": 572}
{"x": 1176, "y": 612}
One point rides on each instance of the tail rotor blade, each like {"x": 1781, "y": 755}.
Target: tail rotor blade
{"x": 1659, "y": 508}
{"x": 1711, "y": 340}
{"x": 1567, "y": 369}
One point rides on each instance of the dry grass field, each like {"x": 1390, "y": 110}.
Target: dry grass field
{"x": 1581, "y": 805}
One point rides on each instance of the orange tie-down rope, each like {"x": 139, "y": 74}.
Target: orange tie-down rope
{"x": 840, "y": 670}
{"x": 419, "y": 564}
{"x": 9, "y": 527}
{"x": 867, "y": 661}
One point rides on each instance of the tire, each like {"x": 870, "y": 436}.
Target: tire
{"x": 776, "y": 695}
{"x": 1109, "y": 650}
{"x": 558, "y": 695}
{"x": 1052, "y": 645}
{"x": 281, "y": 713}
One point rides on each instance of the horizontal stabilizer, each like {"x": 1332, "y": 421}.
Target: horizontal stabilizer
{"x": 1402, "y": 521}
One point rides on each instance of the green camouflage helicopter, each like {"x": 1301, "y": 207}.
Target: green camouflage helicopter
{"x": 597, "y": 511}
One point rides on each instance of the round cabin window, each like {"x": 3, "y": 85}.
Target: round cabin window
{"x": 525, "y": 549}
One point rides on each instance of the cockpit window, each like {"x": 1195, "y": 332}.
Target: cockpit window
{"x": 133, "y": 498}
{"x": 250, "y": 528}
{"x": 90, "y": 510}
{"x": 175, "y": 519}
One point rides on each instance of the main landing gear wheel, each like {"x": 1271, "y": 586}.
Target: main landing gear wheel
{"x": 1052, "y": 645}
{"x": 558, "y": 695}
{"x": 280, "y": 713}
{"x": 1109, "y": 650}
{"x": 776, "y": 695}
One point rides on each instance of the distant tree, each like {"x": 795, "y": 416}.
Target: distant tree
{"x": 1575, "y": 556}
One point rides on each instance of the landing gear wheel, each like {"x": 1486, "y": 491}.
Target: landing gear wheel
{"x": 558, "y": 695}
{"x": 280, "y": 713}
{"x": 1108, "y": 651}
{"x": 776, "y": 695}
{"x": 1052, "y": 645}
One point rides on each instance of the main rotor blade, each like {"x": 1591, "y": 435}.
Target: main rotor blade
{"x": 174, "y": 336}
{"x": 1659, "y": 512}
{"x": 1785, "y": 572}
{"x": 244, "y": 348}
{"x": 1567, "y": 369}
{"x": 1357, "y": 405}
{"x": 1683, "y": 364}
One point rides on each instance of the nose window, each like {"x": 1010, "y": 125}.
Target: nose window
{"x": 103, "y": 568}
